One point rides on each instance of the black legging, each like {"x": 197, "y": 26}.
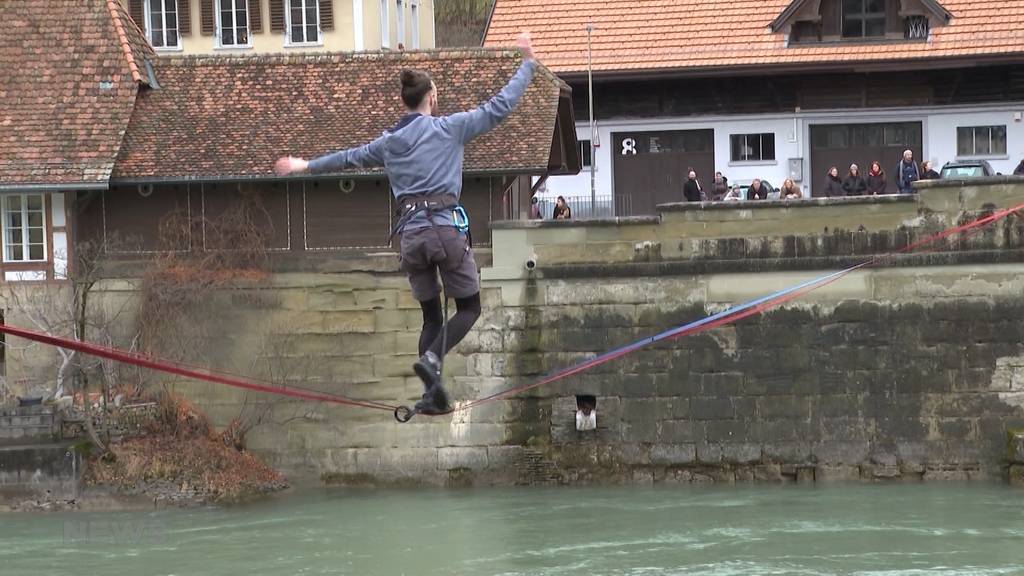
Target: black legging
{"x": 467, "y": 310}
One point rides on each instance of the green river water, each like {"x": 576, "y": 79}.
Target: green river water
{"x": 945, "y": 529}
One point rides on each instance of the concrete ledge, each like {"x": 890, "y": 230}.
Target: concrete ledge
{"x": 702, "y": 267}
{"x": 967, "y": 182}
{"x": 800, "y": 203}
{"x": 597, "y": 222}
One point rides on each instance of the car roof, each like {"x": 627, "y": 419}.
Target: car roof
{"x": 965, "y": 164}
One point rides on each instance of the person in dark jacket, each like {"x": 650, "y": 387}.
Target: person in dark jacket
{"x": 854, "y": 184}
{"x": 906, "y": 173}
{"x": 1019, "y": 170}
{"x": 927, "y": 173}
{"x": 719, "y": 187}
{"x": 562, "y": 210}
{"x": 692, "y": 190}
{"x": 833, "y": 185}
{"x": 876, "y": 179}
{"x": 758, "y": 190}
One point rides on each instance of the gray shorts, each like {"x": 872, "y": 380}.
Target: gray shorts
{"x": 424, "y": 252}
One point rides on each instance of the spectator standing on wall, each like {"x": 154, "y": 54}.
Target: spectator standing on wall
{"x": 758, "y": 190}
{"x": 876, "y": 179}
{"x": 907, "y": 172}
{"x": 719, "y": 187}
{"x": 927, "y": 173}
{"x": 1019, "y": 170}
{"x": 854, "y": 184}
{"x": 562, "y": 210}
{"x": 789, "y": 190}
{"x": 833, "y": 185}
{"x": 692, "y": 190}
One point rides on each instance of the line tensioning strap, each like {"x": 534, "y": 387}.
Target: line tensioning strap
{"x": 730, "y": 315}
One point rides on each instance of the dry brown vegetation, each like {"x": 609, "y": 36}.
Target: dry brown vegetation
{"x": 181, "y": 459}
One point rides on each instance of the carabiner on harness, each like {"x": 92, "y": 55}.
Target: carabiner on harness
{"x": 460, "y": 218}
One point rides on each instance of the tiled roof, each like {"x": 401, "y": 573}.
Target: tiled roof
{"x": 232, "y": 116}
{"x": 67, "y": 87}
{"x": 636, "y": 35}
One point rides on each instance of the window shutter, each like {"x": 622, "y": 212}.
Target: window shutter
{"x": 185, "y": 17}
{"x": 137, "y": 13}
{"x": 207, "y": 21}
{"x": 277, "y": 15}
{"x": 327, "y": 14}
{"x": 256, "y": 16}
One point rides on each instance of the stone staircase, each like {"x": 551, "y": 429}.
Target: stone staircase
{"x": 28, "y": 425}
{"x": 32, "y": 457}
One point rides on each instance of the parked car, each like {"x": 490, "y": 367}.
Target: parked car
{"x": 967, "y": 169}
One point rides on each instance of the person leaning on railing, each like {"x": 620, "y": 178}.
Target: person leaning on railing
{"x": 789, "y": 190}
{"x": 562, "y": 210}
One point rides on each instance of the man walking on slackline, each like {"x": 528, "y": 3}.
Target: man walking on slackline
{"x": 422, "y": 156}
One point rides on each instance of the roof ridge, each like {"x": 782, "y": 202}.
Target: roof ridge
{"x": 337, "y": 56}
{"x": 123, "y": 40}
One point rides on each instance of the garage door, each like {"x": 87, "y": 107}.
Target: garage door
{"x": 843, "y": 144}
{"x": 651, "y": 167}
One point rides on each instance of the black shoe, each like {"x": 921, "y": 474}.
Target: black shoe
{"x": 434, "y": 401}
{"x": 428, "y": 368}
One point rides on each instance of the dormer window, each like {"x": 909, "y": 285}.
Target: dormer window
{"x": 863, "y": 18}
{"x": 813, "y": 21}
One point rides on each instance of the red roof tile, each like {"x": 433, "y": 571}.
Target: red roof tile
{"x": 232, "y": 116}
{"x": 637, "y": 35}
{"x": 67, "y": 88}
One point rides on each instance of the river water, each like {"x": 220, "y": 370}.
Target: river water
{"x": 945, "y": 529}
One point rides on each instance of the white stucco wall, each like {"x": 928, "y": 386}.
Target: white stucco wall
{"x": 791, "y": 140}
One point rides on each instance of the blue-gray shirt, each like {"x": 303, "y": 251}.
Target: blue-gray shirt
{"x": 422, "y": 155}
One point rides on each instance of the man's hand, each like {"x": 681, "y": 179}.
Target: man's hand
{"x": 290, "y": 164}
{"x": 523, "y": 42}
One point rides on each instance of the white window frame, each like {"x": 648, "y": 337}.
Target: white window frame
{"x": 385, "y": 24}
{"x": 754, "y": 162}
{"x": 974, "y": 142}
{"x": 400, "y": 22}
{"x": 24, "y": 211}
{"x": 147, "y": 16}
{"x": 414, "y": 17}
{"x": 288, "y": 24}
{"x": 234, "y": 10}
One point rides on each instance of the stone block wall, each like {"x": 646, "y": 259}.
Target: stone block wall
{"x": 910, "y": 370}
{"x": 892, "y": 387}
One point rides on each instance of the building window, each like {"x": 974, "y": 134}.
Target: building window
{"x": 24, "y": 228}
{"x": 585, "y": 153}
{"x": 400, "y": 21}
{"x": 233, "y": 23}
{"x": 981, "y": 141}
{"x": 753, "y": 147}
{"x": 385, "y": 26}
{"x": 162, "y": 24}
{"x": 303, "y": 22}
{"x": 863, "y": 18}
{"x": 414, "y": 15}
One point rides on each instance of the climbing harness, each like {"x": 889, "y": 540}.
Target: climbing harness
{"x": 431, "y": 204}
{"x": 404, "y": 413}
{"x": 461, "y": 219}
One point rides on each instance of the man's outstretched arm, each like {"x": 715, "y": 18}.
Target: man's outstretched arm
{"x": 468, "y": 125}
{"x": 365, "y": 156}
